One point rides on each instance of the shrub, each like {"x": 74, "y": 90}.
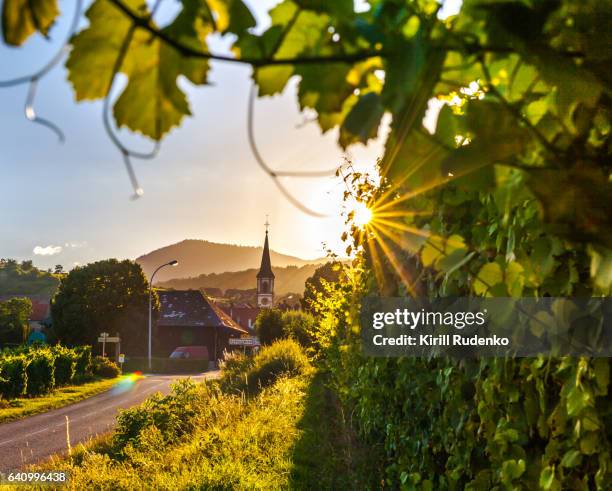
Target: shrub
{"x": 105, "y": 368}
{"x": 41, "y": 372}
{"x": 299, "y": 326}
{"x": 65, "y": 365}
{"x": 13, "y": 376}
{"x": 173, "y": 415}
{"x": 234, "y": 370}
{"x": 269, "y": 325}
{"x": 283, "y": 358}
{"x": 83, "y": 362}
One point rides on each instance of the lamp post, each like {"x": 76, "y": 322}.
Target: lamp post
{"x": 174, "y": 262}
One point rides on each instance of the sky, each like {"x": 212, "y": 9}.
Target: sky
{"x": 70, "y": 203}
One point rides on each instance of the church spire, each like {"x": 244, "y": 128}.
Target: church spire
{"x": 265, "y": 271}
{"x": 265, "y": 277}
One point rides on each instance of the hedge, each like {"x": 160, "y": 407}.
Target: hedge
{"x": 165, "y": 365}
{"x": 105, "y": 368}
{"x": 35, "y": 370}
{"x": 65, "y": 365}
{"x": 13, "y": 376}
{"x": 41, "y": 372}
{"x": 84, "y": 361}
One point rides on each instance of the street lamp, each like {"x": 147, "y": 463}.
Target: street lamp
{"x": 174, "y": 262}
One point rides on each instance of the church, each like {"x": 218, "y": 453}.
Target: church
{"x": 265, "y": 278}
{"x": 245, "y": 314}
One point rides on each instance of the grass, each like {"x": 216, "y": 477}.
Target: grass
{"x": 22, "y": 407}
{"x": 289, "y": 434}
{"x": 328, "y": 454}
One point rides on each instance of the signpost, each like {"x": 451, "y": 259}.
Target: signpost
{"x": 244, "y": 341}
{"x": 102, "y": 339}
{"x": 105, "y": 338}
{"x": 121, "y": 359}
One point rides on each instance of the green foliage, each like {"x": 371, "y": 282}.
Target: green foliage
{"x": 84, "y": 362}
{"x": 172, "y": 416}
{"x": 198, "y": 438}
{"x": 13, "y": 375}
{"x": 283, "y": 358}
{"x": 300, "y": 326}
{"x": 65, "y": 365}
{"x": 37, "y": 369}
{"x": 107, "y": 296}
{"x": 14, "y": 316}
{"x": 269, "y": 325}
{"x": 328, "y": 273}
{"x": 105, "y": 368}
{"x": 41, "y": 371}
{"x": 24, "y": 279}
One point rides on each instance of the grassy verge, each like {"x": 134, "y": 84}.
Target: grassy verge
{"x": 328, "y": 454}
{"x": 274, "y": 426}
{"x": 22, "y": 407}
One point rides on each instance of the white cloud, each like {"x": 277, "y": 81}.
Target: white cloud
{"x": 49, "y": 250}
{"x": 75, "y": 245}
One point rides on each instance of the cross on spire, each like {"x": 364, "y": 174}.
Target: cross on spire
{"x": 267, "y": 224}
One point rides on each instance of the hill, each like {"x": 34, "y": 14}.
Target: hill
{"x": 25, "y": 279}
{"x": 200, "y": 257}
{"x": 290, "y": 279}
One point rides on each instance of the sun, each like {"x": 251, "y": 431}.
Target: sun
{"x": 362, "y": 215}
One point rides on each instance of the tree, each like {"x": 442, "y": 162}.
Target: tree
{"x": 59, "y": 269}
{"x": 269, "y": 325}
{"x": 105, "y": 296}
{"x": 299, "y": 326}
{"x": 14, "y": 280}
{"x": 14, "y": 316}
{"x": 330, "y": 272}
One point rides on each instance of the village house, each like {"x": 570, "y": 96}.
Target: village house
{"x": 188, "y": 318}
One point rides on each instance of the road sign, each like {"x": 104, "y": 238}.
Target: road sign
{"x": 243, "y": 341}
{"x": 113, "y": 339}
{"x": 121, "y": 358}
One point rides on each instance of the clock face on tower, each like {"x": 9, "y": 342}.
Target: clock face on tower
{"x": 264, "y": 301}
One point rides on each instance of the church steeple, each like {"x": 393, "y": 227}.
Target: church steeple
{"x": 265, "y": 277}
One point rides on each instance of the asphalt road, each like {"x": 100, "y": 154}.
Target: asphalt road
{"x": 36, "y": 438}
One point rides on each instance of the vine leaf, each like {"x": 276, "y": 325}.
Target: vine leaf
{"x": 294, "y": 32}
{"x": 22, "y": 18}
{"x": 232, "y": 16}
{"x": 363, "y": 120}
{"x": 96, "y": 49}
{"x": 152, "y": 103}
{"x": 489, "y": 275}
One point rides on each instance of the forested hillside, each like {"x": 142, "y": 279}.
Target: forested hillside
{"x": 25, "y": 279}
{"x": 290, "y": 279}
{"x": 200, "y": 257}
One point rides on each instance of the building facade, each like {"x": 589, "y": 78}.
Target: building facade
{"x": 188, "y": 318}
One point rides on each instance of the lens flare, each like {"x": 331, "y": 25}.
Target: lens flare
{"x": 362, "y": 215}
{"x": 126, "y": 382}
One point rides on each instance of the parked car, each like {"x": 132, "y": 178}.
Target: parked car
{"x": 190, "y": 352}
